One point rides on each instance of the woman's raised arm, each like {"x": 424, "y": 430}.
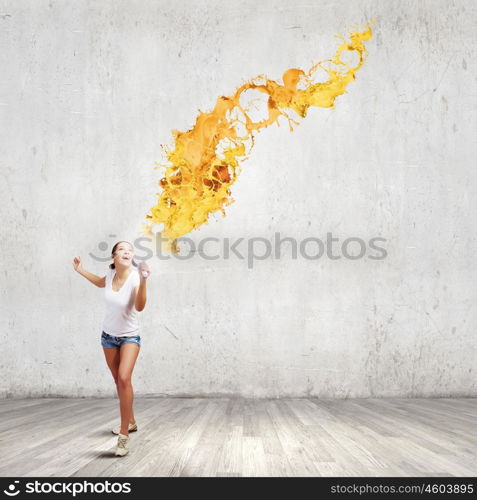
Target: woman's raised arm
{"x": 96, "y": 280}
{"x": 141, "y": 294}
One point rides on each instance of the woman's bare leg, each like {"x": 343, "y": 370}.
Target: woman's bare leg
{"x": 112, "y": 359}
{"x": 128, "y": 356}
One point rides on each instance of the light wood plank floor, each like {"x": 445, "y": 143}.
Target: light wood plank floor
{"x": 241, "y": 437}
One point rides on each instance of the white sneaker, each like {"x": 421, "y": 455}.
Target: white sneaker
{"x": 131, "y": 428}
{"x": 122, "y": 446}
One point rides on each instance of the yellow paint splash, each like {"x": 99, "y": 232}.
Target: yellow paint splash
{"x": 205, "y": 160}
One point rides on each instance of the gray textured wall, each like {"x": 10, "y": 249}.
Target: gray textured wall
{"x": 88, "y": 92}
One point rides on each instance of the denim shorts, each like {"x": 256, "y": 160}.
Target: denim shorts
{"x": 110, "y": 341}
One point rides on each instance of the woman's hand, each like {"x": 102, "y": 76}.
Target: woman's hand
{"x": 77, "y": 264}
{"x": 143, "y": 270}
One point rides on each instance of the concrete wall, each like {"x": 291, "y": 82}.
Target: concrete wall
{"x": 90, "y": 90}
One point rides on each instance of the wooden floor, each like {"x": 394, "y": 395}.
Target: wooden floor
{"x": 241, "y": 437}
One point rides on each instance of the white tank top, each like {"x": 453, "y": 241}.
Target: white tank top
{"x": 120, "y": 319}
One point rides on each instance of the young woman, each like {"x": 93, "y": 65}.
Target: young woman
{"x": 125, "y": 294}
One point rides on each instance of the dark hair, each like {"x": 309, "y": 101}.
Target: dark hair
{"x": 111, "y": 266}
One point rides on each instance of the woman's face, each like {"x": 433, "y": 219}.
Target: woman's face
{"x": 123, "y": 254}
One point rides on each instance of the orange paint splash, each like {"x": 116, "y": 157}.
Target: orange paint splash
{"x": 204, "y": 163}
